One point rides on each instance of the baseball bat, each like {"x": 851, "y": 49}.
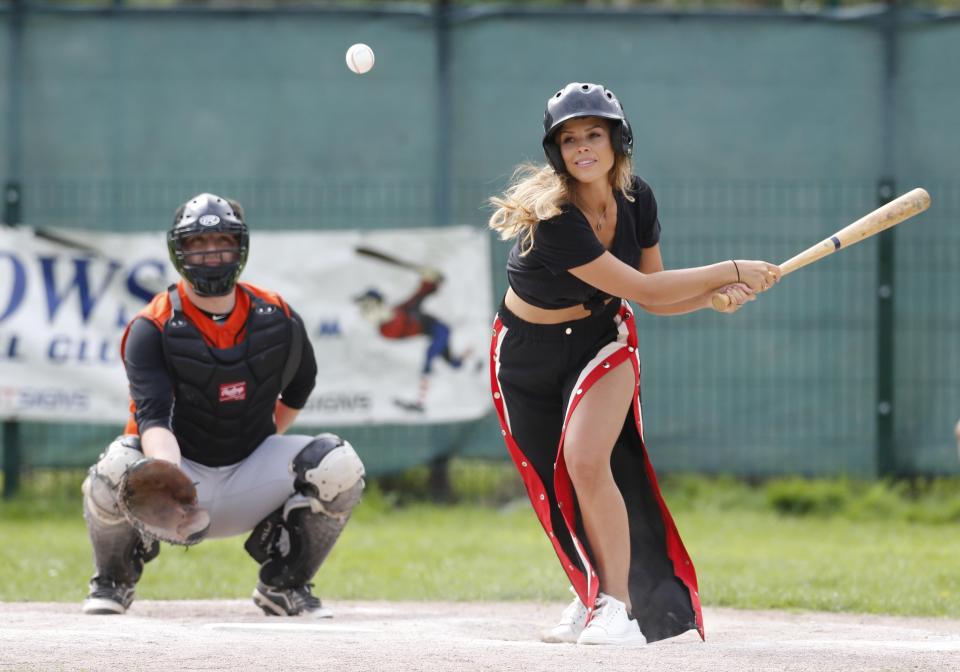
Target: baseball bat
{"x": 387, "y": 258}
{"x": 65, "y": 242}
{"x": 886, "y": 216}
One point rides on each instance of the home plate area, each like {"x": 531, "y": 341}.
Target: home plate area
{"x": 435, "y": 636}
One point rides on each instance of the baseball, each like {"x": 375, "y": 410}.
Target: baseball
{"x": 360, "y": 58}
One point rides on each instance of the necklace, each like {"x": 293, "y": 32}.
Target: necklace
{"x": 600, "y": 217}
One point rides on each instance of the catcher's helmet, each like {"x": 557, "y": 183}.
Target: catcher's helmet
{"x": 209, "y": 213}
{"x": 578, "y": 99}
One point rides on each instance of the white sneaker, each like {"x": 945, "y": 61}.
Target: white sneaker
{"x": 570, "y": 625}
{"x": 611, "y": 625}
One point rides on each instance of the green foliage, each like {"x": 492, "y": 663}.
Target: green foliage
{"x": 935, "y": 501}
{"x": 795, "y": 496}
{"x": 50, "y": 493}
{"x": 45, "y": 494}
{"x": 484, "y": 482}
{"x": 720, "y": 493}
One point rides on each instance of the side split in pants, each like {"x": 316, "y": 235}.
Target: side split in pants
{"x": 538, "y": 375}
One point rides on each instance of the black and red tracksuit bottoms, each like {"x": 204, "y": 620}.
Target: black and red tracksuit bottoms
{"x": 538, "y": 374}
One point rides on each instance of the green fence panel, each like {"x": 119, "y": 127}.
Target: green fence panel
{"x": 927, "y": 285}
{"x": 127, "y": 117}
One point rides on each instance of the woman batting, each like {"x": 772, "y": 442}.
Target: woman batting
{"x": 565, "y": 372}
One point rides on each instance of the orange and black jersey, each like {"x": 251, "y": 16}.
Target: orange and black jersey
{"x": 155, "y": 373}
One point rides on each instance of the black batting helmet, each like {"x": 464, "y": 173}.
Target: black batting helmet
{"x": 582, "y": 99}
{"x": 209, "y": 213}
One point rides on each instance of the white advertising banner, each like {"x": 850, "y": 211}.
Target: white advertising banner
{"x": 399, "y": 320}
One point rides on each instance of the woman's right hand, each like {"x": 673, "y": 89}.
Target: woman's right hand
{"x": 758, "y": 275}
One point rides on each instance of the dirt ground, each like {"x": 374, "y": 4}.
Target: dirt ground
{"x": 432, "y": 636}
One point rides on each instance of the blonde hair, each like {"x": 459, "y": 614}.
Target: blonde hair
{"x": 537, "y": 193}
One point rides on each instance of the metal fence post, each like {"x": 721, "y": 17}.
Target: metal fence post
{"x": 887, "y": 462}
{"x": 11, "y": 428}
{"x": 11, "y": 458}
{"x": 439, "y": 478}
{"x": 12, "y": 211}
{"x": 443, "y": 151}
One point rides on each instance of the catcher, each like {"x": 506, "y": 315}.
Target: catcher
{"x": 218, "y": 370}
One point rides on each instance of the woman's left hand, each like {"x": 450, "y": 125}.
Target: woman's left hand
{"x": 738, "y": 293}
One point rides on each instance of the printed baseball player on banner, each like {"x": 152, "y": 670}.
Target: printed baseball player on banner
{"x": 218, "y": 370}
{"x": 565, "y": 371}
{"x": 408, "y": 319}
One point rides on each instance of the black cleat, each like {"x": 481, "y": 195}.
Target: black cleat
{"x": 297, "y": 601}
{"x": 107, "y": 597}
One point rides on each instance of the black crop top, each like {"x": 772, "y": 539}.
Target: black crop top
{"x": 541, "y": 278}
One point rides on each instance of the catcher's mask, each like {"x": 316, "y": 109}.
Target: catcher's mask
{"x": 209, "y": 213}
{"x": 578, "y": 99}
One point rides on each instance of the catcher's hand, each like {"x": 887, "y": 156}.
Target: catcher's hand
{"x": 159, "y": 500}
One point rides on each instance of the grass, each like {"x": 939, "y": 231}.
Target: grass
{"x": 415, "y": 552}
{"x": 892, "y": 552}
{"x": 763, "y": 560}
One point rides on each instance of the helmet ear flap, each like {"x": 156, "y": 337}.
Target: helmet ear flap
{"x": 625, "y": 139}
{"x": 552, "y": 150}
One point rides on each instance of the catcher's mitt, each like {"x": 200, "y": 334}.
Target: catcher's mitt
{"x": 159, "y": 500}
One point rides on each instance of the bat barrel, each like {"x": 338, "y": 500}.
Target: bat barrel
{"x": 886, "y": 216}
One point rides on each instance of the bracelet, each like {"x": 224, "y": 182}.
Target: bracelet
{"x": 738, "y": 269}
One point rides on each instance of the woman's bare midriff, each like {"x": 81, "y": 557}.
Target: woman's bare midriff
{"x": 535, "y": 315}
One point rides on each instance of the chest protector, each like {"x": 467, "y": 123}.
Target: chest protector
{"x": 225, "y": 398}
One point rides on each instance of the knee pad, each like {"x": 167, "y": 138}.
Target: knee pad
{"x": 103, "y": 478}
{"x": 329, "y": 473}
